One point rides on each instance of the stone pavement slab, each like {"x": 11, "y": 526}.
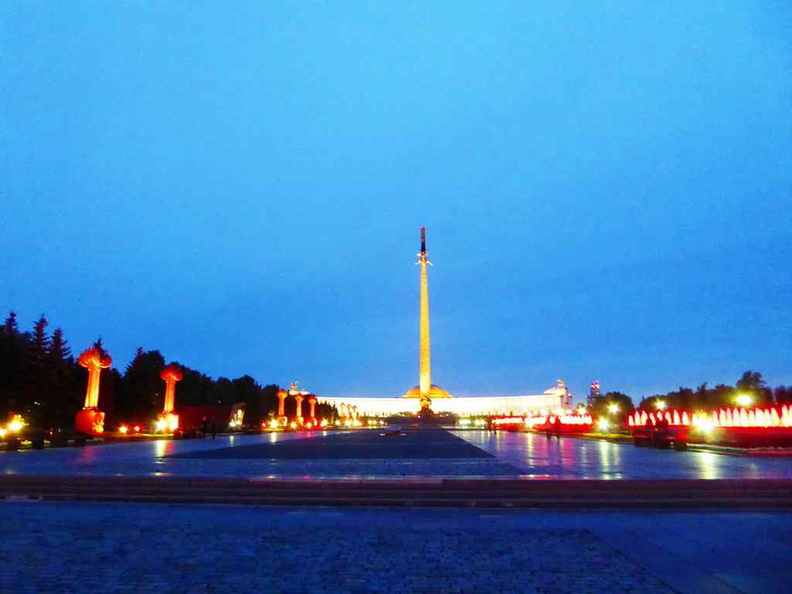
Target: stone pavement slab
{"x": 137, "y": 548}
{"x": 186, "y": 548}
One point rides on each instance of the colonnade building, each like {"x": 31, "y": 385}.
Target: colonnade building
{"x": 553, "y": 399}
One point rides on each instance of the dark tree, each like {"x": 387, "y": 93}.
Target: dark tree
{"x": 64, "y": 398}
{"x": 39, "y": 379}
{"x": 752, "y": 383}
{"x": 601, "y": 406}
{"x": 11, "y": 326}
{"x": 142, "y": 389}
{"x": 783, "y": 394}
{"x": 14, "y": 372}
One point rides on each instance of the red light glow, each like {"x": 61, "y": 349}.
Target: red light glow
{"x": 771, "y": 416}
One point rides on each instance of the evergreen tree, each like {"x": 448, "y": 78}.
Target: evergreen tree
{"x": 36, "y": 390}
{"x": 64, "y": 398}
{"x": 13, "y": 366}
{"x": 41, "y": 342}
{"x": 11, "y": 327}
{"x": 142, "y": 389}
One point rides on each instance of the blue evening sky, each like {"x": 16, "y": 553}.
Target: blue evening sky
{"x": 606, "y": 188}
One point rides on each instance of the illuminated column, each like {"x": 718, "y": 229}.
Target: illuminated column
{"x": 312, "y": 404}
{"x": 425, "y": 378}
{"x": 93, "y": 361}
{"x": 169, "y": 421}
{"x": 282, "y": 405}
{"x": 90, "y": 420}
{"x": 299, "y": 399}
{"x": 342, "y": 411}
{"x": 171, "y": 374}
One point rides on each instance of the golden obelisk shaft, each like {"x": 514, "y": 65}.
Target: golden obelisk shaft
{"x": 425, "y": 379}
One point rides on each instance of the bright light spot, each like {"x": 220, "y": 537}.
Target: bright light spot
{"x": 161, "y": 424}
{"x": 744, "y": 400}
{"x": 465, "y": 422}
{"x": 123, "y": 429}
{"x": 137, "y": 428}
{"x": 293, "y": 425}
{"x": 16, "y": 424}
{"x": 603, "y": 424}
{"x": 613, "y": 408}
{"x": 274, "y": 424}
{"x": 705, "y": 425}
{"x": 660, "y": 404}
{"x": 3, "y": 432}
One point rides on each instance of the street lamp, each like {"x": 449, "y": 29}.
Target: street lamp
{"x": 660, "y": 404}
{"x": 744, "y": 400}
{"x": 613, "y": 408}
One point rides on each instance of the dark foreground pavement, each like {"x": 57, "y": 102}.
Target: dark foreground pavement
{"x": 74, "y": 547}
{"x": 731, "y": 494}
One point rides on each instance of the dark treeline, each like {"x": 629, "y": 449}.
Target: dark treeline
{"x": 40, "y": 378}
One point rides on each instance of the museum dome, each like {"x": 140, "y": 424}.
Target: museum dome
{"x": 435, "y": 392}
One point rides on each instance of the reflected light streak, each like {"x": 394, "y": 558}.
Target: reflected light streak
{"x": 709, "y": 465}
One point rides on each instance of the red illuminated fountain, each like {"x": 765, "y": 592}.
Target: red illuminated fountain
{"x": 90, "y": 420}
{"x": 767, "y": 417}
{"x": 770, "y": 425}
{"x": 169, "y": 421}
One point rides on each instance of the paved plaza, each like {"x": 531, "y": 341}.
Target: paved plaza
{"x": 430, "y": 455}
{"x": 133, "y": 547}
{"x": 165, "y": 548}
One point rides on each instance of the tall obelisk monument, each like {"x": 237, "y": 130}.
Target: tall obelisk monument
{"x": 425, "y": 390}
{"x": 425, "y": 377}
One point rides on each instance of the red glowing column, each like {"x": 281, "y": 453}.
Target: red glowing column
{"x": 312, "y": 404}
{"x": 90, "y": 420}
{"x": 169, "y": 421}
{"x": 299, "y": 398}
{"x": 282, "y": 405}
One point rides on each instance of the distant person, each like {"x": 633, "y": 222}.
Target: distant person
{"x": 214, "y": 427}
{"x": 205, "y": 426}
{"x": 557, "y": 427}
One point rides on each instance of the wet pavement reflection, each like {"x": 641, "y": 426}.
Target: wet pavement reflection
{"x": 570, "y": 458}
{"x": 515, "y": 455}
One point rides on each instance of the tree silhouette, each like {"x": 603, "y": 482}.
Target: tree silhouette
{"x": 142, "y": 390}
